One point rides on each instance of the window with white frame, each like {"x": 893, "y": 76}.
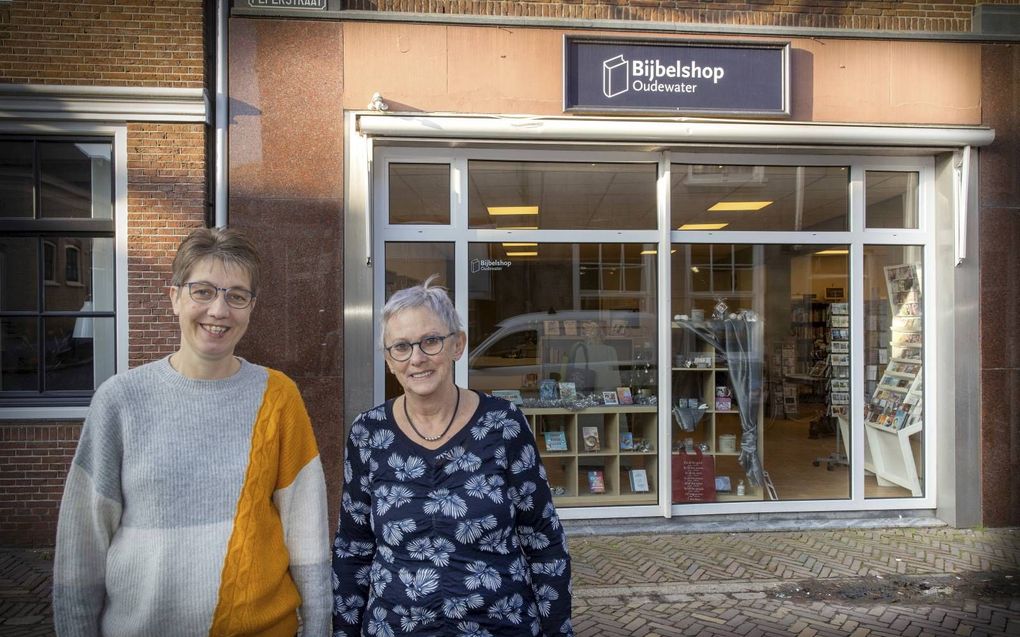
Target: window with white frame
{"x": 57, "y": 320}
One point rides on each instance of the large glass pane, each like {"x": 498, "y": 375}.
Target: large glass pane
{"x": 84, "y": 276}
{"x": 19, "y": 274}
{"x": 74, "y": 360}
{"x": 419, "y": 193}
{"x": 563, "y": 196}
{"x": 19, "y": 355}
{"x": 755, "y": 330}
{"x": 409, "y": 264}
{"x": 75, "y": 180}
{"x": 16, "y": 179}
{"x": 891, "y": 199}
{"x": 760, "y": 198}
{"x": 578, "y": 352}
{"x": 893, "y": 371}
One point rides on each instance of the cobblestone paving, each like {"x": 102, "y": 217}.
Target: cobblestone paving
{"x": 900, "y": 581}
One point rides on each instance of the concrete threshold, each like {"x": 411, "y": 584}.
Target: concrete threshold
{"x": 755, "y": 523}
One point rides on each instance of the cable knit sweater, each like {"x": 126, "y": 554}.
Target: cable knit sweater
{"x": 194, "y": 507}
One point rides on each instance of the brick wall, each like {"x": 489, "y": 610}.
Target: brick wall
{"x": 951, "y": 15}
{"x": 166, "y": 198}
{"x": 34, "y": 458}
{"x": 112, "y": 43}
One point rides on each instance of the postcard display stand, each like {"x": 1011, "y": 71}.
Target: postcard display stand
{"x": 599, "y": 456}
{"x": 895, "y": 411}
{"x": 701, "y": 376}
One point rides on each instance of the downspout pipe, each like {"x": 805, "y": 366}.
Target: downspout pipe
{"x": 221, "y": 118}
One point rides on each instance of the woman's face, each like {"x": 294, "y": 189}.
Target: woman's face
{"x": 211, "y": 331}
{"x": 422, "y": 374}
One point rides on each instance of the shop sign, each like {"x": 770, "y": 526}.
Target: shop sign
{"x": 489, "y": 265}
{"x": 287, "y": 4}
{"x": 670, "y": 76}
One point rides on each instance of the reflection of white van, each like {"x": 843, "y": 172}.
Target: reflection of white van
{"x": 527, "y": 348}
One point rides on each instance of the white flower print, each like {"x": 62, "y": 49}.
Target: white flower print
{"x": 460, "y": 460}
{"x": 348, "y": 608}
{"x": 545, "y": 595}
{"x": 495, "y": 420}
{"x": 549, "y": 513}
{"x": 508, "y": 609}
{"x": 391, "y": 497}
{"x": 437, "y": 550}
{"x": 525, "y": 461}
{"x": 381, "y": 439}
{"x": 471, "y": 629}
{"x": 481, "y": 487}
{"x": 413, "y": 467}
{"x": 413, "y": 617}
{"x": 394, "y": 530}
{"x": 380, "y": 578}
{"x": 449, "y": 504}
{"x": 567, "y": 627}
{"x": 555, "y": 567}
{"x": 348, "y": 471}
{"x": 379, "y": 413}
{"x": 531, "y": 538}
{"x": 519, "y": 570}
{"x": 358, "y": 510}
{"x": 359, "y": 435}
{"x": 469, "y": 531}
{"x": 495, "y": 541}
{"x": 386, "y": 553}
{"x": 420, "y": 584}
{"x": 482, "y": 575}
{"x": 501, "y": 457}
{"x": 377, "y": 626}
{"x": 363, "y": 576}
{"x": 522, "y": 498}
{"x": 355, "y": 548}
{"x": 457, "y": 607}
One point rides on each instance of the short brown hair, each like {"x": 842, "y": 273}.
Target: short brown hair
{"x": 224, "y": 244}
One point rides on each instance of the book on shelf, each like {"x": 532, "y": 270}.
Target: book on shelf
{"x": 555, "y": 440}
{"x": 596, "y": 481}
{"x": 638, "y": 481}
{"x": 623, "y": 393}
{"x": 570, "y": 327}
{"x": 551, "y": 328}
{"x": 626, "y": 441}
{"x": 590, "y": 436}
{"x": 568, "y": 390}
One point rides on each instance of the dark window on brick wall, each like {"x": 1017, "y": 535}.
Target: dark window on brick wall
{"x": 57, "y": 321}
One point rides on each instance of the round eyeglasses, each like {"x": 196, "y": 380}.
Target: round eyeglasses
{"x": 430, "y": 346}
{"x": 202, "y": 292}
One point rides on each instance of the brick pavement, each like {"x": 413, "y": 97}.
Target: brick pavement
{"x": 897, "y": 581}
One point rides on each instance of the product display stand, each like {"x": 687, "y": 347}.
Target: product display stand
{"x": 838, "y": 384}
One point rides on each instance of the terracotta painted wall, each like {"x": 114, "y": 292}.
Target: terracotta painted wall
{"x": 467, "y": 69}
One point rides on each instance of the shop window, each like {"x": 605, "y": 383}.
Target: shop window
{"x": 894, "y": 371}
{"x": 577, "y": 352}
{"x": 409, "y": 264}
{"x": 891, "y": 199}
{"x": 561, "y": 196}
{"x": 419, "y": 194}
{"x": 760, "y": 335}
{"x": 57, "y": 321}
{"x": 760, "y": 198}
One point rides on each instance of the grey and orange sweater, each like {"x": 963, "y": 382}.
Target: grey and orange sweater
{"x": 194, "y": 507}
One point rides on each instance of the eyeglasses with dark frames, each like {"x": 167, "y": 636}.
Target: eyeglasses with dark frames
{"x": 205, "y": 293}
{"x": 430, "y": 346}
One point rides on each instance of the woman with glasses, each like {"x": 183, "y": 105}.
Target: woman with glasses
{"x": 447, "y": 526}
{"x": 196, "y": 501}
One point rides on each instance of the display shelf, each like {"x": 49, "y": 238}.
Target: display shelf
{"x": 614, "y": 427}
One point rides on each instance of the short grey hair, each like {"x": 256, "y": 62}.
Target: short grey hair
{"x": 434, "y": 298}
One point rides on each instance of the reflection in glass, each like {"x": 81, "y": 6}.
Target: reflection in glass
{"x": 569, "y": 332}
{"x": 891, "y": 199}
{"x": 894, "y": 371}
{"x": 75, "y": 180}
{"x": 79, "y": 352}
{"x": 16, "y": 179}
{"x": 409, "y": 264}
{"x": 19, "y": 273}
{"x": 760, "y": 198}
{"x": 565, "y": 196}
{"x": 19, "y": 354}
{"x": 419, "y": 193}
{"x": 731, "y": 375}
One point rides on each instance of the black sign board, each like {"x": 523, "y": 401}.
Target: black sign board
{"x": 671, "y": 76}
{"x": 287, "y": 4}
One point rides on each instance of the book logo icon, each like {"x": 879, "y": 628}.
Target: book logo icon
{"x": 615, "y": 76}
{"x": 476, "y": 266}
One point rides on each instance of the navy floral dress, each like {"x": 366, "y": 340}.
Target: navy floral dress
{"x": 460, "y": 541}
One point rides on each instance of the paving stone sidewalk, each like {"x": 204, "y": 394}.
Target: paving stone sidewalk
{"x": 896, "y": 581}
